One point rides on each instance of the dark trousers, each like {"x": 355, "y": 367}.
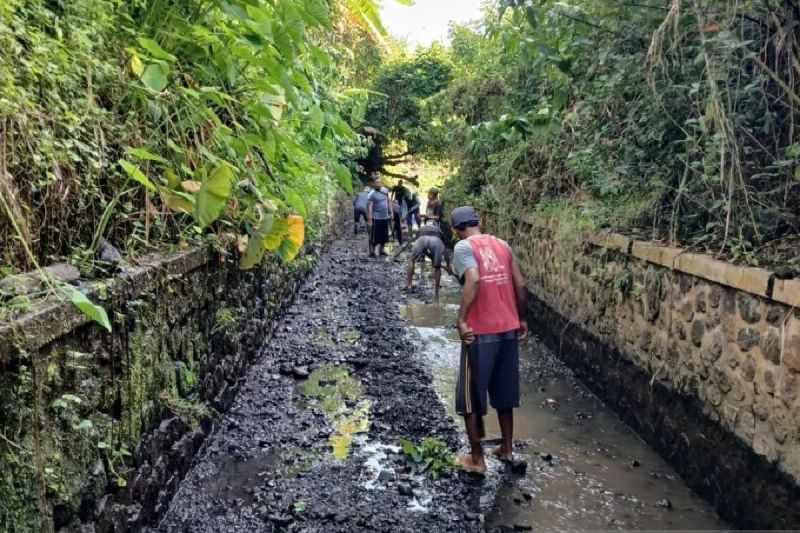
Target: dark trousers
{"x": 398, "y": 230}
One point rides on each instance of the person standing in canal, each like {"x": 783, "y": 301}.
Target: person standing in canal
{"x": 379, "y": 215}
{"x": 434, "y": 209}
{"x": 360, "y": 208}
{"x": 491, "y": 321}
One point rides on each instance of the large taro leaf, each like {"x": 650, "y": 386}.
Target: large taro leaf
{"x": 255, "y": 243}
{"x": 178, "y": 201}
{"x": 293, "y": 241}
{"x": 213, "y": 194}
{"x": 136, "y": 174}
{"x": 279, "y": 230}
{"x": 155, "y": 77}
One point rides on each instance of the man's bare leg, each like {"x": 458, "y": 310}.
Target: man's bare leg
{"x": 409, "y": 274}
{"x": 474, "y": 462}
{"x": 505, "y": 450}
{"x": 437, "y": 278}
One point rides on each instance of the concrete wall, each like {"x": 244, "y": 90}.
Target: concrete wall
{"x": 99, "y": 428}
{"x": 722, "y": 340}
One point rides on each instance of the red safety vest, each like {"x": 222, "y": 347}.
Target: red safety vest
{"x": 495, "y": 310}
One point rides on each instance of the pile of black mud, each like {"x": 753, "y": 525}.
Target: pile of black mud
{"x": 311, "y": 442}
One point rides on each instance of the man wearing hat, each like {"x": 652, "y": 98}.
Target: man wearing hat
{"x": 491, "y": 320}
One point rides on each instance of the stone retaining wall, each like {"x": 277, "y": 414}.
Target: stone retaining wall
{"x": 96, "y": 428}
{"x": 723, "y": 339}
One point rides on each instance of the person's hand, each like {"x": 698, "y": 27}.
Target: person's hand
{"x": 522, "y": 332}
{"x": 465, "y": 332}
{"x": 369, "y": 223}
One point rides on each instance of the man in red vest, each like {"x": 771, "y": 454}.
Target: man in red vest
{"x": 491, "y": 321}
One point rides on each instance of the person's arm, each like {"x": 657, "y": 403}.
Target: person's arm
{"x": 522, "y": 299}
{"x": 469, "y": 294}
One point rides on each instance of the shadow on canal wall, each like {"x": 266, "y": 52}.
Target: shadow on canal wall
{"x": 101, "y": 427}
{"x": 700, "y": 357}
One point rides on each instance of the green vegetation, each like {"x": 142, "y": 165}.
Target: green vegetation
{"x": 431, "y": 456}
{"x": 674, "y": 120}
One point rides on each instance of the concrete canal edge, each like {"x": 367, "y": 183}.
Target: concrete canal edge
{"x": 700, "y": 356}
{"x": 101, "y": 427}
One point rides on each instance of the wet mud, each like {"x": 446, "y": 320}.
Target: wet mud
{"x": 311, "y": 441}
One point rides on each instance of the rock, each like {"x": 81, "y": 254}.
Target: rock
{"x": 635, "y": 463}
{"x": 700, "y": 302}
{"x": 748, "y": 338}
{"x": 385, "y": 476}
{"x": 749, "y": 308}
{"x": 546, "y": 457}
{"x": 714, "y": 296}
{"x": 300, "y": 372}
{"x": 20, "y": 284}
{"x": 519, "y": 467}
{"x": 108, "y": 253}
{"x": 713, "y": 352}
{"x": 280, "y": 520}
{"x": 665, "y": 503}
{"x": 698, "y": 330}
{"x": 769, "y": 381}
{"x": 405, "y": 489}
{"x": 784, "y": 272}
{"x": 775, "y": 314}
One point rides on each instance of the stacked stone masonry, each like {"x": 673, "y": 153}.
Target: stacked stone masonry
{"x": 99, "y": 428}
{"x": 701, "y": 327}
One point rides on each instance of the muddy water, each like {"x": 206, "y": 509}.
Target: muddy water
{"x": 586, "y": 468}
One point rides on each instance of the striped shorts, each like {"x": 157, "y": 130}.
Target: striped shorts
{"x": 489, "y": 365}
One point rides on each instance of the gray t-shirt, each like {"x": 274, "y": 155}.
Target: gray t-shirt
{"x": 464, "y": 257}
{"x": 380, "y": 203}
{"x": 432, "y": 231}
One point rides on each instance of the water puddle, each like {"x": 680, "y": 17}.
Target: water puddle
{"x": 587, "y": 469}
{"x": 237, "y": 480}
{"x": 337, "y": 394}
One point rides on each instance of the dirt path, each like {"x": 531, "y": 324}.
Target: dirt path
{"x": 273, "y": 462}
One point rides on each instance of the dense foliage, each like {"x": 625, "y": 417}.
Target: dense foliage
{"x": 149, "y": 121}
{"x": 674, "y": 119}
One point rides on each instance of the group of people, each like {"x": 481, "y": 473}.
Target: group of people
{"x": 384, "y": 210}
{"x": 492, "y": 313}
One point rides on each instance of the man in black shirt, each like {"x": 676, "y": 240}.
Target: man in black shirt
{"x": 434, "y": 209}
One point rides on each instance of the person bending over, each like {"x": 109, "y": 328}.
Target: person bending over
{"x": 491, "y": 321}
{"x": 430, "y": 242}
{"x": 379, "y": 213}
